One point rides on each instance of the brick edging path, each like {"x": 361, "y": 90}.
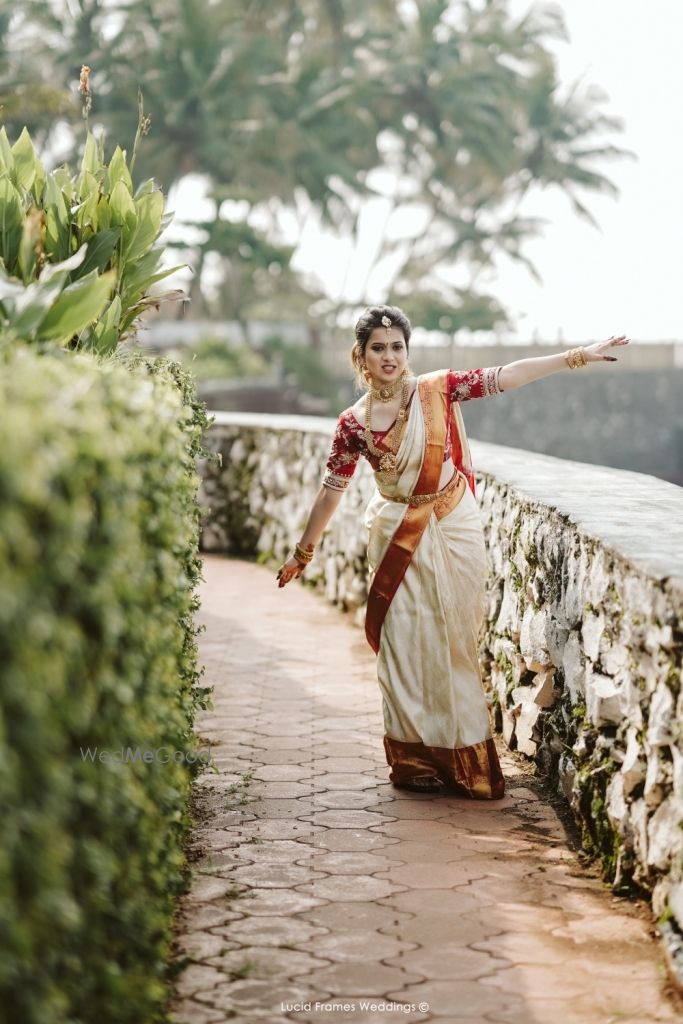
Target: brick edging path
{"x": 321, "y": 893}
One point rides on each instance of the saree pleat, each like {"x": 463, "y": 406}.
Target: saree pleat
{"x": 435, "y": 714}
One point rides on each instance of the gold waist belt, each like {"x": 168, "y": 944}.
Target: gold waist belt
{"x": 421, "y": 499}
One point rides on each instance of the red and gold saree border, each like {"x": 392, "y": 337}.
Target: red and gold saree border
{"x": 406, "y": 538}
{"x": 472, "y": 771}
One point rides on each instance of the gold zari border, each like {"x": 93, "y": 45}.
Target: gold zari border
{"x": 472, "y": 771}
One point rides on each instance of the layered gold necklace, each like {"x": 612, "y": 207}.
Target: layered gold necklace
{"x": 387, "y": 459}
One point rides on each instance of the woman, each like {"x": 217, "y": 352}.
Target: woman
{"x": 426, "y": 549}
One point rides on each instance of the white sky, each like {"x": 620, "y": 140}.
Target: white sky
{"x": 624, "y": 278}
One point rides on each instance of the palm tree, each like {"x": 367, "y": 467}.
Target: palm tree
{"x": 482, "y": 123}
{"x": 293, "y": 105}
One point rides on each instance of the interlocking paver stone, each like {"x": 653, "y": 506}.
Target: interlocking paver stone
{"x": 373, "y": 917}
{"x": 346, "y": 819}
{"x": 346, "y": 887}
{"x": 276, "y": 931}
{"x": 350, "y": 840}
{"x": 345, "y": 800}
{"x": 360, "y": 945}
{"x": 373, "y": 979}
{"x": 281, "y": 901}
{"x": 316, "y": 884}
{"x": 350, "y": 863}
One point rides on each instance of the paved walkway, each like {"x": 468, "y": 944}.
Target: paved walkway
{"x": 317, "y": 885}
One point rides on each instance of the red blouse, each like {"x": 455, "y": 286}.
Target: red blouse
{"x": 348, "y": 442}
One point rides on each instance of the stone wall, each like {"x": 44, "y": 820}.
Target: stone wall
{"x": 581, "y": 649}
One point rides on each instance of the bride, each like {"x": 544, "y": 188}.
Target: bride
{"x": 426, "y": 550}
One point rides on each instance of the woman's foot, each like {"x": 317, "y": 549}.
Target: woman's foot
{"x": 424, "y": 784}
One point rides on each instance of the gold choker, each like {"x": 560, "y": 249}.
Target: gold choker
{"x": 385, "y": 392}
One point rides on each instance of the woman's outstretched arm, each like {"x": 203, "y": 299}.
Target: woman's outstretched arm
{"x": 323, "y": 508}
{"x": 524, "y": 371}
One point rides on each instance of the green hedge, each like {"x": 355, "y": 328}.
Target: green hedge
{"x": 99, "y": 531}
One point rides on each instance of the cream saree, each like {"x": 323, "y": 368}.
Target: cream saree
{"x": 426, "y": 606}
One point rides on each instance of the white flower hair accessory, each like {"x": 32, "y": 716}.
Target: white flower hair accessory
{"x": 386, "y": 321}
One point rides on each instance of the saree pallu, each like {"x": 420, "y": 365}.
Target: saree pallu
{"x": 426, "y": 607}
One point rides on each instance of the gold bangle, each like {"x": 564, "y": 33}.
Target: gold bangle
{"x": 575, "y": 358}
{"x": 301, "y": 555}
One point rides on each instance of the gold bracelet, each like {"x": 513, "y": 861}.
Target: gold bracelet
{"x": 301, "y": 555}
{"x": 575, "y": 358}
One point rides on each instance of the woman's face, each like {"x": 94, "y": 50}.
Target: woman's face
{"x": 386, "y": 354}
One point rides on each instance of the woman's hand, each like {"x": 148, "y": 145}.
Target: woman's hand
{"x": 595, "y": 353}
{"x": 289, "y": 570}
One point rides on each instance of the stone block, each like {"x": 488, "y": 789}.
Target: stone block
{"x": 661, "y": 718}
{"x": 592, "y": 629}
{"x": 603, "y": 700}
{"x": 532, "y": 641}
{"x": 574, "y": 667}
{"x": 633, "y": 766}
{"x": 526, "y": 718}
{"x": 543, "y": 688}
{"x": 665, "y": 835}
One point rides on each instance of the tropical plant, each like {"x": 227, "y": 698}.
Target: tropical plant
{"x": 48, "y": 216}
{"x": 52, "y": 310}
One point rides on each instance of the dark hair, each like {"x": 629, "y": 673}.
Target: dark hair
{"x": 366, "y": 324}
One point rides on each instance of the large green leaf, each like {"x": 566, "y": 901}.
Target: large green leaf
{"x": 132, "y": 314}
{"x": 57, "y": 230}
{"x": 65, "y": 266}
{"x": 100, "y": 249}
{"x": 150, "y": 210}
{"x": 65, "y": 183}
{"x": 145, "y": 187}
{"x": 6, "y": 158}
{"x": 106, "y": 330}
{"x": 25, "y": 161}
{"x": 117, "y": 171}
{"x": 136, "y": 274}
{"x": 86, "y": 216}
{"x": 133, "y": 294}
{"x": 87, "y": 185}
{"x": 10, "y": 290}
{"x": 103, "y": 213}
{"x": 122, "y": 209}
{"x": 77, "y": 306}
{"x": 11, "y": 223}
{"x": 31, "y": 307}
{"x": 91, "y": 161}
{"x": 31, "y": 242}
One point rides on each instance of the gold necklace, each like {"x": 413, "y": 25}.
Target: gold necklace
{"x": 388, "y": 471}
{"x": 385, "y": 392}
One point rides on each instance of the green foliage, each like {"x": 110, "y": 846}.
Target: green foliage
{"x": 98, "y": 570}
{"x": 49, "y": 309}
{"x": 50, "y": 216}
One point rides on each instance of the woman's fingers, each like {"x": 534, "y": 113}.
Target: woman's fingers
{"x": 284, "y": 575}
{"x": 616, "y": 339}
